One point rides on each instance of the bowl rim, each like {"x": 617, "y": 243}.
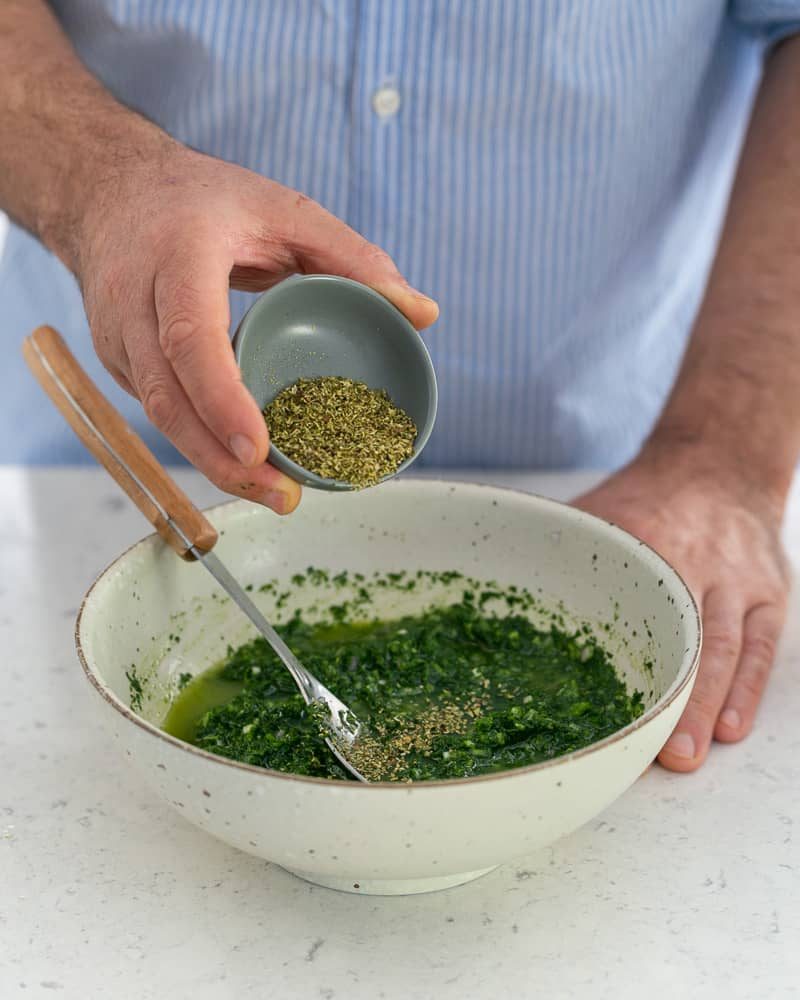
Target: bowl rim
{"x": 286, "y": 464}
{"x": 669, "y": 696}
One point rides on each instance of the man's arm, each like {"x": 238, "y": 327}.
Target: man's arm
{"x": 738, "y": 391}
{"x": 709, "y": 487}
{"x": 154, "y": 233}
{"x": 63, "y": 134}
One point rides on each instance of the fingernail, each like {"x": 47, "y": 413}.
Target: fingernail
{"x": 681, "y": 745}
{"x": 276, "y": 499}
{"x": 243, "y": 448}
{"x": 731, "y": 718}
{"x": 431, "y": 303}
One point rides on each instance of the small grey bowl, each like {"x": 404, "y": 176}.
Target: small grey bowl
{"x": 319, "y": 324}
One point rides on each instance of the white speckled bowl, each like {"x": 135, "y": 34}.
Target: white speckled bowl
{"x": 388, "y": 838}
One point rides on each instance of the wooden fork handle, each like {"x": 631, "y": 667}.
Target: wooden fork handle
{"x": 115, "y": 445}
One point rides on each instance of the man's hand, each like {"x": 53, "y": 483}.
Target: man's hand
{"x": 155, "y": 233}
{"x": 154, "y": 254}
{"x": 723, "y": 537}
{"x": 709, "y": 487}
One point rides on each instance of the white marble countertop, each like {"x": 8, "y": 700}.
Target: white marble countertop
{"x": 686, "y": 887}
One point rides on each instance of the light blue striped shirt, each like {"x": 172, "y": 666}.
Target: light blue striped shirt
{"x": 554, "y": 172}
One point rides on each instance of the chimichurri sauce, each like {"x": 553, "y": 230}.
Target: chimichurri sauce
{"x": 449, "y": 693}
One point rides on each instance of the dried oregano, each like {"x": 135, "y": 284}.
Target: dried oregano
{"x": 340, "y": 429}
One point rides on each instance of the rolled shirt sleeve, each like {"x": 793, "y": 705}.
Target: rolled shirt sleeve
{"x": 771, "y": 19}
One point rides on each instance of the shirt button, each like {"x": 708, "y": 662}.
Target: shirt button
{"x": 386, "y": 102}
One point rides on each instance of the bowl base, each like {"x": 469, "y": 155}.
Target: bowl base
{"x": 391, "y": 886}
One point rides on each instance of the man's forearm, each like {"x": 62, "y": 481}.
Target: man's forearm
{"x": 62, "y": 134}
{"x": 738, "y": 391}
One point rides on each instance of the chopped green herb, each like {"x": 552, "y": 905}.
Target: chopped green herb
{"x": 452, "y": 692}
{"x": 136, "y": 686}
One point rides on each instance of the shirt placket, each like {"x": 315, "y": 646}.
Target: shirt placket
{"x": 381, "y": 99}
